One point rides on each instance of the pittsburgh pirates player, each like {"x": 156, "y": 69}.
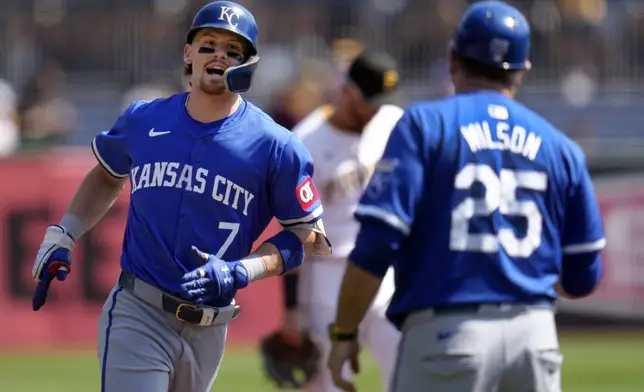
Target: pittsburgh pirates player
{"x": 207, "y": 171}
{"x": 486, "y": 212}
{"x": 345, "y": 140}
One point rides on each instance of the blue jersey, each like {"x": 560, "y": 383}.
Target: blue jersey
{"x": 483, "y": 198}
{"x": 212, "y": 185}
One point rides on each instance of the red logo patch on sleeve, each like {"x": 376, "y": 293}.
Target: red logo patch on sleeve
{"x": 306, "y": 193}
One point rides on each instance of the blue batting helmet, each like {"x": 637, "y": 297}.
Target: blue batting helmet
{"x": 232, "y": 17}
{"x": 495, "y": 34}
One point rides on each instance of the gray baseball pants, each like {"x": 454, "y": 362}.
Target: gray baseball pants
{"x": 144, "y": 348}
{"x": 511, "y": 348}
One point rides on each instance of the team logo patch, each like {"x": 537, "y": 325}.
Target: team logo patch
{"x": 231, "y": 15}
{"x": 379, "y": 183}
{"x": 306, "y": 193}
{"x": 499, "y": 48}
{"x": 389, "y": 80}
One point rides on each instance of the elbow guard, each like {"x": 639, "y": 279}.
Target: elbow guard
{"x": 290, "y": 247}
{"x": 322, "y": 243}
{"x": 581, "y": 273}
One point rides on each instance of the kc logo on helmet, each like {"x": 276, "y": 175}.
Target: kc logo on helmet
{"x": 499, "y": 47}
{"x": 306, "y": 193}
{"x": 230, "y": 14}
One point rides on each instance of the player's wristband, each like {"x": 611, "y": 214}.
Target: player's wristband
{"x": 73, "y": 225}
{"x": 290, "y": 291}
{"x": 290, "y": 247}
{"x": 255, "y": 267}
{"x": 337, "y": 336}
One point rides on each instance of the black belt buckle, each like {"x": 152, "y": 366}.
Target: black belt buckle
{"x": 181, "y": 307}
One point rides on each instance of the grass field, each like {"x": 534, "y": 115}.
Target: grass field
{"x": 593, "y": 363}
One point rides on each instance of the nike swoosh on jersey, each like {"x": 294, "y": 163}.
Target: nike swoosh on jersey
{"x": 152, "y": 133}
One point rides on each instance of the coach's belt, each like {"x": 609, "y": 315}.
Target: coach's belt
{"x": 481, "y": 307}
{"x": 182, "y": 310}
{"x": 425, "y": 315}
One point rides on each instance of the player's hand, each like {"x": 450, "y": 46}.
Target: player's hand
{"x": 341, "y": 352}
{"x": 216, "y": 282}
{"x": 52, "y": 261}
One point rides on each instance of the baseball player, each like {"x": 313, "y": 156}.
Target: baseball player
{"x": 486, "y": 212}
{"x": 345, "y": 141}
{"x": 207, "y": 172}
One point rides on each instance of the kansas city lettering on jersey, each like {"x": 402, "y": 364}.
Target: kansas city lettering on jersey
{"x": 183, "y": 176}
{"x": 515, "y": 139}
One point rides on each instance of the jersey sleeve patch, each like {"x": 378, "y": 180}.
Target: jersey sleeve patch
{"x": 306, "y": 193}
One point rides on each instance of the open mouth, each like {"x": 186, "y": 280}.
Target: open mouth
{"x": 215, "y": 70}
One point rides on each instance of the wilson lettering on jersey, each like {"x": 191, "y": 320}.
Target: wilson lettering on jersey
{"x": 486, "y": 197}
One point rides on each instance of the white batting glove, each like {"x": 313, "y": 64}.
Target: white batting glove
{"x": 52, "y": 261}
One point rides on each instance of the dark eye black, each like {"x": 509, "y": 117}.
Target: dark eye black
{"x": 203, "y": 49}
{"x": 235, "y": 56}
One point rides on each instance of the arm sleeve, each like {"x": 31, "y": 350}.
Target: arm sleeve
{"x": 583, "y": 227}
{"x": 388, "y": 206}
{"x": 293, "y": 196}
{"x": 583, "y": 235}
{"x": 110, "y": 147}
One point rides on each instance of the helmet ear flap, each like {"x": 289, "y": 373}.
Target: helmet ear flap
{"x": 238, "y": 79}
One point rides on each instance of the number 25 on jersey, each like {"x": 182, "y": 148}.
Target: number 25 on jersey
{"x": 500, "y": 194}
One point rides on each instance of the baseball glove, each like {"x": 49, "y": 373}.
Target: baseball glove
{"x": 287, "y": 364}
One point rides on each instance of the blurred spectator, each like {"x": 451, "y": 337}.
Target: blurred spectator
{"x": 310, "y": 90}
{"x": 296, "y": 101}
{"x": 344, "y": 51}
{"x": 582, "y": 52}
{"x": 281, "y": 110}
{"x": 9, "y": 134}
{"x": 47, "y": 117}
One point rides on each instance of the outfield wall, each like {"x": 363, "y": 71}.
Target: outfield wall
{"x": 36, "y": 190}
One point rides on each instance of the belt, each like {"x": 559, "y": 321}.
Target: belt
{"x": 425, "y": 315}
{"x": 183, "y": 311}
{"x": 481, "y": 307}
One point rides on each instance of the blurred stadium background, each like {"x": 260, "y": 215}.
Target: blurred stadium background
{"x": 67, "y": 68}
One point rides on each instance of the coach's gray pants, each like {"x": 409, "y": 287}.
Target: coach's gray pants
{"x": 142, "y": 348}
{"x": 492, "y": 350}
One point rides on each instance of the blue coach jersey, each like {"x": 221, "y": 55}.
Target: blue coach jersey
{"x": 485, "y": 197}
{"x": 212, "y": 185}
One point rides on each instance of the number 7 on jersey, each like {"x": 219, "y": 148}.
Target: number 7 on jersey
{"x": 234, "y": 229}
